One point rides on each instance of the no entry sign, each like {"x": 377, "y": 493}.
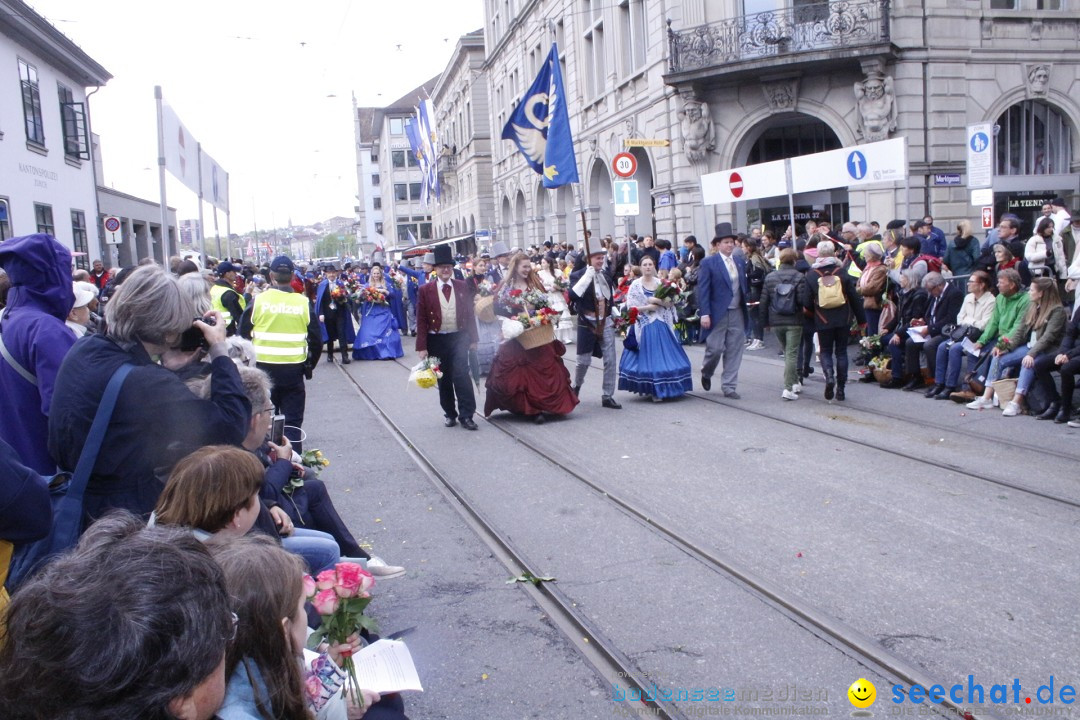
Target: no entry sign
{"x": 744, "y": 183}
{"x": 736, "y": 185}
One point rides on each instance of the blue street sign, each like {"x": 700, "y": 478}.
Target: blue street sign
{"x": 947, "y": 179}
{"x": 979, "y": 142}
{"x": 626, "y": 197}
{"x": 856, "y": 165}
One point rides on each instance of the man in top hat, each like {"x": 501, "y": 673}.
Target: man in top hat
{"x": 592, "y": 288}
{"x": 225, "y": 299}
{"x": 446, "y": 328}
{"x": 335, "y": 316}
{"x": 501, "y": 253}
{"x": 722, "y": 290}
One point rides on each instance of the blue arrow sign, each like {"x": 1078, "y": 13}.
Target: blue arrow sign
{"x": 856, "y": 165}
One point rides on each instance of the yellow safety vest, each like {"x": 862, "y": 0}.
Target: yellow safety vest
{"x": 854, "y": 270}
{"x": 280, "y": 327}
{"x": 216, "y": 293}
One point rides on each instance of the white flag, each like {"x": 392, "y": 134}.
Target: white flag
{"x": 181, "y": 150}
{"x": 215, "y": 184}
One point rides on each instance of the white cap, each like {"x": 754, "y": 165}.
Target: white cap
{"x": 84, "y": 293}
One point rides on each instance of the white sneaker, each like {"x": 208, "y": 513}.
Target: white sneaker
{"x": 755, "y": 345}
{"x": 980, "y": 403}
{"x": 796, "y": 388}
{"x": 997, "y": 400}
{"x": 1074, "y": 423}
{"x": 1011, "y": 410}
{"x": 378, "y": 567}
{"x": 789, "y": 395}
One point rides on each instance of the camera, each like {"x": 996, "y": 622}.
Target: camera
{"x": 193, "y": 338}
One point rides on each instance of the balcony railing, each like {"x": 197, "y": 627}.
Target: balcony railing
{"x": 819, "y": 26}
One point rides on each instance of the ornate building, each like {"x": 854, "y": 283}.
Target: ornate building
{"x": 733, "y": 83}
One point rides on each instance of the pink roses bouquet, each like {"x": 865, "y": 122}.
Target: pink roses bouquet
{"x": 340, "y": 597}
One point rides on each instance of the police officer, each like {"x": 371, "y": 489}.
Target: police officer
{"x": 225, "y": 299}
{"x": 287, "y": 341}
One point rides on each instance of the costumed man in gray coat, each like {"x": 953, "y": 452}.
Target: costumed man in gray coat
{"x": 592, "y": 289}
{"x": 722, "y": 290}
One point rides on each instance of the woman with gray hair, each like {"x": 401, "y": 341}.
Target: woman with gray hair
{"x": 157, "y": 421}
{"x": 911, "y": 307}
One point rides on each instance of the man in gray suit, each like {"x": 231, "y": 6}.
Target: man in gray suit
{"x": 722, "y": 290}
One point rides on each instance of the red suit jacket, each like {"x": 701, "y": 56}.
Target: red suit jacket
{"x": 429, "y": 312}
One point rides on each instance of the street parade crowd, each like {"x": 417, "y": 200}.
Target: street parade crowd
{"x": 169, "y": 548}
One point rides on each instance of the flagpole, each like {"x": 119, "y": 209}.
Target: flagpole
{"x": 202, "y": 233}
{"x": 161, "y": 179}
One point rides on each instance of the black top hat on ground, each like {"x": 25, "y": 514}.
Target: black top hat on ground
{"x": 724, "y": 230}
{"x": 443, "y": 255}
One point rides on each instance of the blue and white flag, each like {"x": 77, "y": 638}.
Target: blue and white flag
{"x": 540, "y": 126}
{"x": 416, "y": 145}
{"x": 430, "y": 142}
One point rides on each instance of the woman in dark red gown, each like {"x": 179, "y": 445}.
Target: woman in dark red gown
{"x": 531, "y": 382}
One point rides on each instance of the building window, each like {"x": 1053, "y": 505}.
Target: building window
{"x": 425, "y": 231}
{"x": 375, "y": 179}
{"x": 376, "y": 203}
{"x": 397, "y": 126}
{"x": 5, "y": 219}
{"x": 632, "y": 35}
{"x": 378, "y": 228}
{"x": 73, "y": 119}
{"x": 1032, "y": 139}
{"x": 31, "y": 97}
{"x": 1026, "y": 5}
{"x": 401, "y": 192}
{"x": 43, "y": 215}
{"x": 79, "y": 241}
{"x": 595, "y": 71}
{"x": 414, "y": 190}
{"x": 398, "y": 158}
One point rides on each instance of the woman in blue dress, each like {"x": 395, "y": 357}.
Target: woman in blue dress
{"x": 659, "y": 367}
{"x": 379, "y": 337}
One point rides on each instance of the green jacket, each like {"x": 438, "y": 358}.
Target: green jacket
{"x": 1006, "y": 318}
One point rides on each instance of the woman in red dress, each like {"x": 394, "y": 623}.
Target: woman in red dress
{"x": 531, "y": 382}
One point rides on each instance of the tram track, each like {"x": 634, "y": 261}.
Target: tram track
{"x": 893, "y": 452}
{"x": 609, "y": 662}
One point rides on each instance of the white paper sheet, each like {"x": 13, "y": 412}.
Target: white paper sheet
{"x": 386, "y": 666}
{"x": 916, "y": 335}
{"x": 969, "y": 347}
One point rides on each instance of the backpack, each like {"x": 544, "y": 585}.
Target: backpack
{"x": 830, "y": 291}
{"x": 783, "y": 299}
{"x": 933, "y": 263}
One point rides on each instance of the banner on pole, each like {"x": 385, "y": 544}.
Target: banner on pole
{"x": 884, "y": 161}
{"x": 744, "y": 183}
{"x": 181, "y": 150}
{"x": 215, "y": 183}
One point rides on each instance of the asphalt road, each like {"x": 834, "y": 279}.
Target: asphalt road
{"x": 881, "y": 512}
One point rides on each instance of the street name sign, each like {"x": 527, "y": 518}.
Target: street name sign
{"x": 947, "y": 178}
{"x": 645, "y": 142}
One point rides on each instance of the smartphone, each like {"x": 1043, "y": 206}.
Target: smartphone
{"x": 277, "y": 429}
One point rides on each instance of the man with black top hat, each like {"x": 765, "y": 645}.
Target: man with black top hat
{"x": 592, "y": 289}
{"x": 335, "y": 316}
{"x": 722, "y": 290}
{"x": 287, "y": 342}
{"x": 225, "y": 299}
{"x": 446, "y": 329}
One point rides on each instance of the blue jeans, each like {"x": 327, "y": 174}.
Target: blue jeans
{"x": 1000, "y": 365}
{"x": 949, "y": 363}
{"x": 320, "y": 550}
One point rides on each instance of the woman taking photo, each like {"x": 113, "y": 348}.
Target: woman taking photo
{"x": 659, "y": 366}
{"x": 379, "y": 337}
{"x": 531, "y": 382}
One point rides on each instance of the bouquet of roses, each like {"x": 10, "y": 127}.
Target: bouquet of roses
{"x": 667, "y": 289}
{"x": 426, "y": 373}
{"x": 872, "y": 344}
{"x": 339, "y": 292}
{"x": 340, "y": 596}
{"x": 1004, "y": 345}
{"x": 561, "y": 284}
{"x": 626, "y": 317}
{"x": 372, "y": 295}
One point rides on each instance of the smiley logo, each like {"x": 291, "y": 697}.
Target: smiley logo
{"x": 862, "y": 693}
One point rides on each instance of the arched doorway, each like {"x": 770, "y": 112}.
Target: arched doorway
{"x": 519, "y": 221}
{"x": 506, "y": 219}
{"x": 601, "y": 207}
{"x": 644, "y": 223}
{"x": 784, "y": 136}
{"x": 1033, "y": 153}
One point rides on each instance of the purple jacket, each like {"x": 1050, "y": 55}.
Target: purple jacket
{"x": 33, "y": 331}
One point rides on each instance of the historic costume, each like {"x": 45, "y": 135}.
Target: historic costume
{"x": 488, "y": 327}
{"x": 380, "y": 325}
{"x": 722, "y": 290}
{"x": 335, "y": 317}
{"x": 527, "y": 381}
{"x": 659, "y": 366}
{"x": 592, "y": 291}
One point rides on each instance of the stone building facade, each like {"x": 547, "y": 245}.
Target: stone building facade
{"x": 463, "y": 119}
{"x": 733, "y": 83}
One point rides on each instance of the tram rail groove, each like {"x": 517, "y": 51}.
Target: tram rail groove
{"x": 827, "y": 628}
{"x": 605, "y": 658}
{"x": 1019, "y": 487}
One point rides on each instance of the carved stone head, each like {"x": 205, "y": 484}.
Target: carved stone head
{"x": 1038, "y": 78}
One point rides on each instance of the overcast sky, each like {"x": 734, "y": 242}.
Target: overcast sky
{"x": 253, "y": 81}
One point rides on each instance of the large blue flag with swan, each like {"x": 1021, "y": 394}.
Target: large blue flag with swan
{"x": 540, "y": 126}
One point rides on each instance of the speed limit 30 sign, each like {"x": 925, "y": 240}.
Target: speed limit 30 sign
{"x": 624, "y": 164}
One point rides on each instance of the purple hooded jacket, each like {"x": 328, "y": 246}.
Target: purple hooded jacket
{"x": 33, "y": 331}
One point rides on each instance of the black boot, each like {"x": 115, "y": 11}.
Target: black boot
{"x": 829, "y": 385}
{"x": 945, "y": 393}
{"x": 840, "y": 396}
{"x": 933, "y": 391}
{"x": 914, "y": 383}
{"x": 1050, "y": 413}
{"x": 1064, "y": 414}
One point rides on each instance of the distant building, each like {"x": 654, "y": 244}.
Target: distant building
{"x": 47, "y": 181}
{"x": 138, "y": 220}
{"x": 463, "y": 119}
